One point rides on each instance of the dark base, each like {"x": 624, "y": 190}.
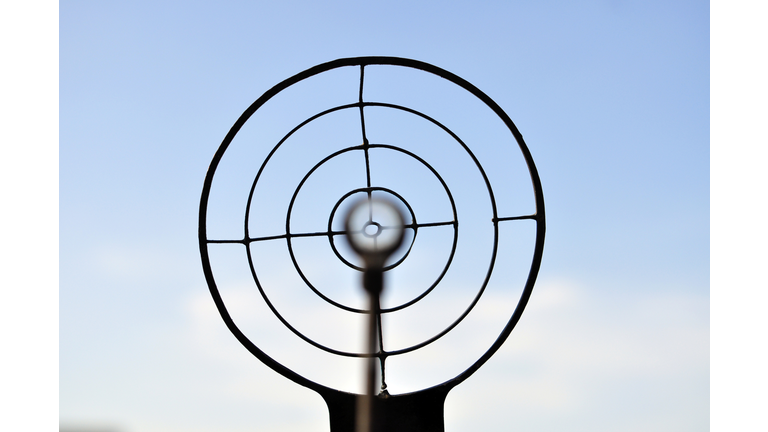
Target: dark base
{"x": 412, "y": 412}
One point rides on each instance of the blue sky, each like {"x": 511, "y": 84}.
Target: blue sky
{"x": 613, "y": 101}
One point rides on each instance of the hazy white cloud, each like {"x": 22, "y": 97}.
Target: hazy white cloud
{"x": 576, "y": 352}
{"x": 573, "y": 352}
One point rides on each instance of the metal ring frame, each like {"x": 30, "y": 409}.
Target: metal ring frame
{"x": 362, "y": 62}
{"x": 412, "y": 225}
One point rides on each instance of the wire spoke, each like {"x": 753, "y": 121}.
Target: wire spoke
{"x": 324, "y": 233}
{"x": 511, "y": 218}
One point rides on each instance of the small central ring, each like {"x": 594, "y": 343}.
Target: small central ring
{"x": 372, "y": 229}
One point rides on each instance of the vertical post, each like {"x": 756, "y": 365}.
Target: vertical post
{"x": 373, "y": 279}
{"x": 375, "y": 229}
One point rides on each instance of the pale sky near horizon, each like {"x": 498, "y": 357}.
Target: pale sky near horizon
{"x": 612, "y": 98}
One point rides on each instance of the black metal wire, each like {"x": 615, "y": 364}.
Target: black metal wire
{"x": 538, "y": 216}
{"x": 288, "y": 236}
{"x": 330, "y": 234}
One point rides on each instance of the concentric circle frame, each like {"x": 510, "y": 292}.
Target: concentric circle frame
{"x": 361, "y": 62}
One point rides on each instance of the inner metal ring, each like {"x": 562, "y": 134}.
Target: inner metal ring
{"x": 411, "y": 225}
{"x": 289, "y": 235}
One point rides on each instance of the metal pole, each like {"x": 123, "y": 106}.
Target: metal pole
{"x": 366, "y": 413}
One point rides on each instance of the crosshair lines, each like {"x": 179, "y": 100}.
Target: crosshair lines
{"x": 382, "y": 354}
